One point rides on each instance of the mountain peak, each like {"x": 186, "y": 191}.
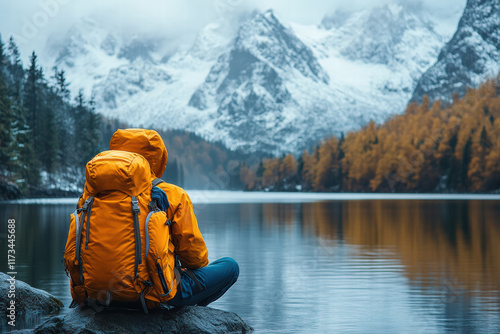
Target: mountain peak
{"x": 250, "y": 87}
{"x": 470, "y": 57}
{"x": 380, "y": 32}
{"x": 269, "y": 14}
{"x": 266, "y": 38}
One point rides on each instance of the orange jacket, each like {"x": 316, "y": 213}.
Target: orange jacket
{"x": 189, "y": 244}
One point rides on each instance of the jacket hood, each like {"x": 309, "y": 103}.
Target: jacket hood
{"x": 147, "y": 143}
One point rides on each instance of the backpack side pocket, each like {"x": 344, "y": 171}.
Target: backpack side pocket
{"x": 157, "y": 254}
{"x": 70, "y": 264}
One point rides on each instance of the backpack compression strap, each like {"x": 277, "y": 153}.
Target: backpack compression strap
{"x": 137, "y": 233}
{"x": 88, "y": 204}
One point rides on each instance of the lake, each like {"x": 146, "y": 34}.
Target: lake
{"x": 320, "y": 263}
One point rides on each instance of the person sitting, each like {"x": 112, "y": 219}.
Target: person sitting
{"x": 200, "y": 283}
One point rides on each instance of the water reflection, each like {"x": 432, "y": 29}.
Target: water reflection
{"x": 348, "y": 266}
{"x": 433, "y": 240}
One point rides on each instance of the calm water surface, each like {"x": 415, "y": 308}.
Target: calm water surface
{"x": 357, "y": 266}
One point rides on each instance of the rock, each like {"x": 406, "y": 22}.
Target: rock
{"x": 9, "y": 190}
{"x": 191, "y": 319}
{"x": 30, "y": 303}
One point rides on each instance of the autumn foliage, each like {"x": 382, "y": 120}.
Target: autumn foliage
{"x": 429, "y": 148}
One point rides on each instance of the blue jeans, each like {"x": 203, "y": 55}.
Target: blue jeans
{"x": 215, "y": 279}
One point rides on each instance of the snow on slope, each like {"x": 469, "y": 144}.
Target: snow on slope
{"x": 469, "y": 58}
{"x": 269, "y": 91}
{"x": 129, "y": 77}
{"x": 268, "y": 87}
{"x": 79, "y": 54}
{"x": 379, "y": 53}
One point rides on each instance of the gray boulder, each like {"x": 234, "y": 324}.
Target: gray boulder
{"x": 30, "y": 303}
{"x": 9, "y": 190}
{"x": 192, "y": 319}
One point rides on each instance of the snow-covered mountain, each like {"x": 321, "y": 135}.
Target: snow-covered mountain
{"x": 268, "y": 86}
{"x": 469, "y": 58}
{"x": 258, "y": 90}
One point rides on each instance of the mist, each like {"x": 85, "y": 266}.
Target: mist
{"x": 31, "y": 22}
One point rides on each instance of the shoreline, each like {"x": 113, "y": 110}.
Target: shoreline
{"x": 228, "y": 196}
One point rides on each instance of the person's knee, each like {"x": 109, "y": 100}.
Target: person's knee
{"x": 232, "y": 267}
{"x": 236, "y": 269}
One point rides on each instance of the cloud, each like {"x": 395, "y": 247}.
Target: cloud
{"x": 32, "y": 21}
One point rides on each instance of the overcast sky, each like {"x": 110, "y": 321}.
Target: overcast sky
{"x": 32, "y": 21}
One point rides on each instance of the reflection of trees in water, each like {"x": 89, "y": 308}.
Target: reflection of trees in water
{"x": 279, "y": 214}
{"x": 40, "y": 238}
{"x": 454, "y": 243}
{"x": 324, "y": 219}
{"x": 436, "y": 240}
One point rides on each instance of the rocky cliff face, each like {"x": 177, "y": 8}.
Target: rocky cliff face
{"x": 469, "y": 58}
{"x": 252, "y": 89}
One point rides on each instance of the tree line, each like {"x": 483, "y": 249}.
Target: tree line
{"x": 195, "y": 163}
{"x": 429, "y": 148}
{"x": 47, "y": 137}
{"x": 42, "y": 131}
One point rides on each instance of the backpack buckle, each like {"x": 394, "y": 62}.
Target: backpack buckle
{"x": 135, "y": 205}
{"x": 85, "y": 205}
{"x": 153, "y": 206}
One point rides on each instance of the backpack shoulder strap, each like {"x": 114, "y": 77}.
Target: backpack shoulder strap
{"x": 154, "y": 204}
{"x": 157, "y": 181}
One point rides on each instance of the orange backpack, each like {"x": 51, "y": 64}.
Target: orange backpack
{"x": 118, "y": 243}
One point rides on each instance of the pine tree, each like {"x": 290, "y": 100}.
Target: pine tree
{"x": 40, "y": 105}
{"x": 62, "y": 85}
{"x": 181, "y": 175}
{"x": 6, "y": 122}
{"x": 15, "y": 68}
{"x": 82, "y": 151}
{"x": 260, "y": 169}
{"x": 94, "y": 123}
{"x": 484, "y": 140}
{"x": 464, "y": 164}
{"x": 300, "y": 169}
{"x": 64, "y": 122}
{"x": 32, "y": 101}
{"x": 27, "y": 166}
{"x": 87, "y": 127}
{"x": 49, "y": 140}
{"x": 448, "y": 165}
{"x": 173, "y": 173}
{"x": 340, "y": 156}
{"x": 3, "y": 59}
